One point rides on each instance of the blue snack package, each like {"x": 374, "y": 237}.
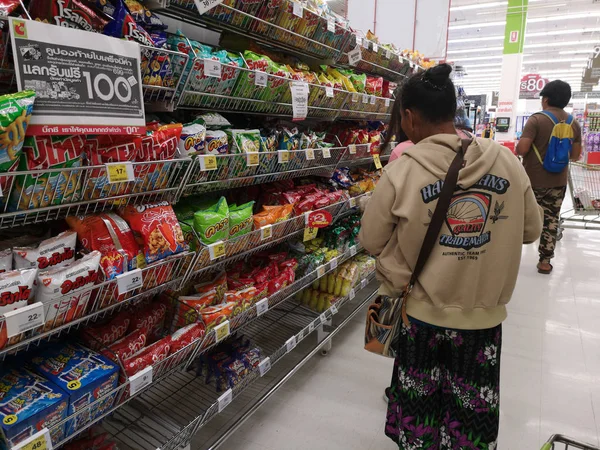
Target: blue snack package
{"x": 28, "y": 404}
{"x": 341, "y": 177}
{"x": 84, "y": 375}
{"x": 124, "y": 26}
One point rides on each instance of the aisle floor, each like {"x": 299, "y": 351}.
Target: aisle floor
{"x": 550, "y": 370}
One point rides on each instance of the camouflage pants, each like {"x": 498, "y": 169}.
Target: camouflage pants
{"x": 550, "y": 199}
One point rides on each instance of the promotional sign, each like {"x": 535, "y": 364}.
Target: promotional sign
{"x": 318, "y": 219}
{"x": 531, "y": 86}
{"x": 92, "y": 87}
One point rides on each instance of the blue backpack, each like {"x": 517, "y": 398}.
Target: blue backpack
{"x": 560, "y": 144}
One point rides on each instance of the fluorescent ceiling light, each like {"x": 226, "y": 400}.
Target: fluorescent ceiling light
{"x": 575, "y": 52}
{"x": 529, "y": 20}
{"x": 555, "y": 60}
{"x": 527, "y": 35}
{"x": 483, "y": 65}
{"x": 478, "y": 25}
{"x": 561, "y": 44}
{"x": 478, "y": 39}
{"x": 477, "y": 58}
{"x": 477, "y": 50}
{"x": 478, "y": 6}
{"x": 579, "y": 65}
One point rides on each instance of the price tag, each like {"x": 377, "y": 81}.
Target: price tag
{"x": 352, "y": 202}
{"x": 129, "y": 281}
{"x": 334, "y": 310}
{"x": 333, "y": 263}
{"x": 352, "y": 149}
{"x": 120, "y": 172}
{"x": 375, "y": 47}
{"x": 39, "y": 441}
{"x": 310, "y": 154}
{"x": 352, "y": 294}
{"x": 387, "y": 102}
{"x": 388, "y": 54}
{"x": 365, "y": 98}
{"x": 323, "y": 318}
{"x": 298, "y": 9}
{"x": 354, "y": 97}
{"x": 208, "y": 162}
{"x": 310, "y": 234}
{"x": 264, "y": 366}
{"x": 253, "y": 159}
{"x": 260, "y": 78}
{"x": 359, "y": 41}
{"x": 365, "y": 43}
{"x": 24, "y": 319}
{"x": 222, "y": 331}
{"x": 140, "y": 380}
{"x": 216, "y": 250}
{"x": 262, "y": 307}
{"x": 320, "y": 271}
{"x": 300, "y": 93}
{"x": 331, "y": 24}
{"x": 353, "y": 250}
{"x": 205, "y": 5}
{"x": 300, "y": 335}
{"x": 326, "y": 153}
{"x": 377, "y": 161}
{"x": 212, "y": 68}
{"x": 283, "y": 156}
{"x": 311, "y": 327}
{"x": 363, "y": 283}
{"x": 354, "y": 56}
{"x": 410, "y": 63}
{"x": 266, "y": 232}
{"x": 329, "y": 91}
{"x": 225, "y": 399}
{"x": 373, "y": 100}
{"x": 290, "y": 344}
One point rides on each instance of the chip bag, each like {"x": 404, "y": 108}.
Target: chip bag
{"x": 240, "y": 220}
{"x": 212, "y": 224}
{"x": 50, "y": 253}
{"x": 16, "y": 291}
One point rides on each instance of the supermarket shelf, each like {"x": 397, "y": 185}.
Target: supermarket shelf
{"x": 159, "y": 81}
{"x": 188, "y": 403}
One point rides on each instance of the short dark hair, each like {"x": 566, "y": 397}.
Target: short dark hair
{"x": 558, "y": 93}
{"x": 431, "y": 93}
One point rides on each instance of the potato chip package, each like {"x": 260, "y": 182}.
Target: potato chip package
{"x": 212, "y": 224}
{"x": 240, "y": 220}
{"x": 16, "y": 290}
{"x": 54, "y": 252}
{"x": 193, "y": 139}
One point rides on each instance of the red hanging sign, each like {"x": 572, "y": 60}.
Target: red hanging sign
{"x": 531, "y": 86}
{"x": 319, "y": 219}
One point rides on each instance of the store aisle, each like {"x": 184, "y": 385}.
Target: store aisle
{"x": 550, "y": 370}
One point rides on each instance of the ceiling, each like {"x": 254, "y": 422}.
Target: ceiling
{"x": 560, "y": 36}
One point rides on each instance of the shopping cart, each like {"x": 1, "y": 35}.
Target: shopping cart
{"x": 569, "y": 444}
{"x": 584, "y": 185}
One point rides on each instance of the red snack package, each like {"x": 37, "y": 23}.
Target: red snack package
{"x": 279, "y": 282}
{"x": 215, "y": 315}
{"x": 159, "y": 144}
{"x": 78, "y": 14}
{"x": 240, "y": 283}
{"x": 148, "y": 317}
{"x": 186, "y": 335}
{"x": 262, "y": 291}
{"x": 219, "y": 285}
{"x": 112, "y": 237}
{"x": 129, "y": 345}
{"x": 147, "y": 356}
{"x": 16, "y": 291}
{"x": 375, "y": 141}
{"x": 303, "y": 206}
{"x": 290, "y": 275}
{"x": 374, "y": 86}
{"x": 292, "y": 197}
{"x": 99, "y": 336}
{"x": 277, "y": 257}
{"x": 321, "y": 202}
{"x": 50, "y": 253}
{"x": 156, "y": 228}
{"x": 291, "y": 263}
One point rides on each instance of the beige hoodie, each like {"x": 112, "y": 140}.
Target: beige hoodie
{"x": 471, "y": 273}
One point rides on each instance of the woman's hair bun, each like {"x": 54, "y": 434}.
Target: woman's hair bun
{"x": 438, "y": 75}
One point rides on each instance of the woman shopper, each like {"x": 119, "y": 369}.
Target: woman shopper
{"x": 445, "y": 384}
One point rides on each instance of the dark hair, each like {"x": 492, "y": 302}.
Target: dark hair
{"x": 431, "y": 93}
{"x": 558, "y": 93}
{"x": 394, "y": 130}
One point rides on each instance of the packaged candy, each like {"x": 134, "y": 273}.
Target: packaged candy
{"x": 212, "y": 224}
{"x": 127, "y": 346}
{"x": 111, "y": 236}
{"x": 51, "y": 253}
{"x": 98, "y": 336}
{"x": 84, "y": 375}
{"x": 240, "y": 220}
{"x": 186, "y": 335}
{"x": 148, "y": 356}
{"x": 156, "y": 228}
{"x": 16, "y": 291}
{"x": 80, "y": 14}
{"x": 33, "y": 402}
{"x": 193, "y": 139}
{"x": 65, "y": 291}
{"x": 216, "y": 143}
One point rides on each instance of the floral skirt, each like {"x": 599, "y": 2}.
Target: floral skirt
{"x": 445, "y": 389}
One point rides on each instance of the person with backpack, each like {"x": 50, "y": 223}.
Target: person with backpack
{"x": 550, "y": 139}
{"x": 447, "y": 222}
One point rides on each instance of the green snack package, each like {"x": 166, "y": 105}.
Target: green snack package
{"x": 359, "y": 81}
{"x": 241, "y": 220}
{"x": 212, "y": 224}
{"x": 243, "y": 142}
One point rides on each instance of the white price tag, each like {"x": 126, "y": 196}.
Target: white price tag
{"x": 119, "y": 172}
{"x": 375, "y": 47}
{"x": 283, "y": 156}
{"x": 334, "y": 310}
{"x": 363, "y": 283}
{"x": 353, "y": 250}
{"x": 352, "y": 202}
{"x": 373, "y": 100}
{"x": 290, "y": 344}
{"x": 354, "y": 97}
{"x": 300, "y": 93}
{"x": 388, "y": 54}
{"x": 300, "y": 335}
{"x": 359, "y": 41}
{"x": 205, "y": 5}
{"x": 310, "y": 154}
{"x": 410, "y": 63}
{"x": 333, "y": 263}
{"x": 266, "y": 232}
{"x": 329, "y": 91}
{"x": 311, "y": 327}
{"x": 208, "y": 162}
{"x": 24, "y": 319}
{"x": 225, "y": 399}
{"x": 365, "y": 43}
{"x": 352, "y": 149}
{"x": 222, "y": 331}
{"x": 216, "y": 250}
{"x": 260, "y": 78}
{"x": 323, "y": 318}
{"x": 39, "y": 441}
{"x": 326, "y": 153}
{"x": 262, "y": 307}
{"x": 140, "y": 380}
{"x": 212, "y": 68}
{"x": 365, "y": 99}
{"x": 331, "y": 24}
{"x": 298, "y": 9}
{"x": 264, "y": 366}
{"x": 129, "y": 281}
{"x": 320, "y": 271}
{"x": 387, "y": 102}
{"x": 354, "y": 56}
{"x": 352, "y": 294}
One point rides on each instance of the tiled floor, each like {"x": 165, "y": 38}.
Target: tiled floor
{"x": 550, "y": 370}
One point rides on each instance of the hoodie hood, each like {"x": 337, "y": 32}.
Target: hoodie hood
{"x": 436, "y": 153}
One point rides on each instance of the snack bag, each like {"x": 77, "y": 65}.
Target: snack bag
{"x": 212, "y": 224}
{"x": 218, "y": 284}
{"x": 240, "y": 220}
{"x": 54, "y": 188}
{"x": 186, "y": 335}
{"x": 51, "y": 253}
{"x": 98, "y": 336}
{"x": 374, "y": 86}
{"x": 79, "y": 14}
{"x": 16, "y": 290}
{"x": 193, "y": 140}
{"x": 127, "y": 346}
{"x": 215, "y": 315}
{"x": 244, "y": 142}
{"x": 216, "y": 143}
{"x": 156, "y": 229}
{"x": 159, "y": 144}
{"x": 66, "y": 291}
{"x": 124, "y": 26}
{"x": 15, "y": 112}
{"x": 147, "y": 356}
{"x": 111, "y": 236}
